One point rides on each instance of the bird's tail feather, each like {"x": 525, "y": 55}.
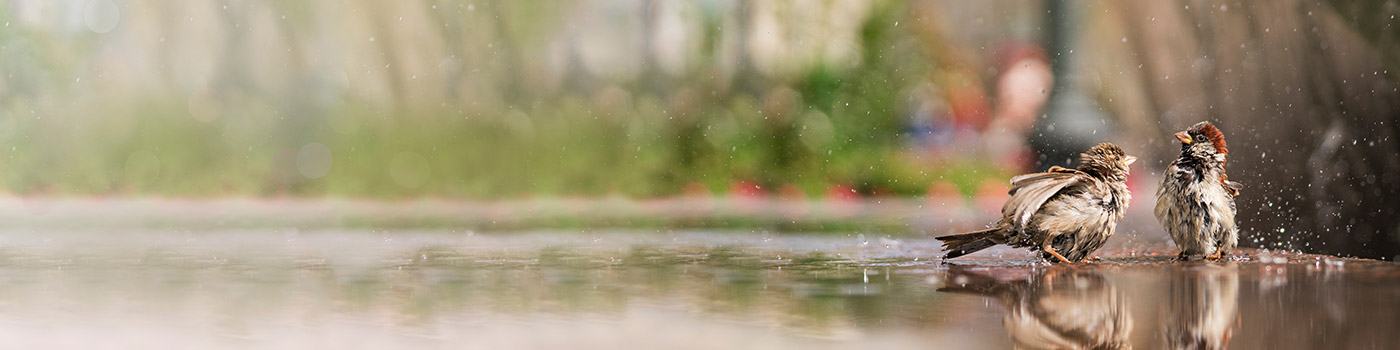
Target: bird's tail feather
{"x": 967, "y": 243}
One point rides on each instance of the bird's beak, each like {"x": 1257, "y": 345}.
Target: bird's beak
{"x": 1129, "y": 160}
{"x": 1183, "y": 137}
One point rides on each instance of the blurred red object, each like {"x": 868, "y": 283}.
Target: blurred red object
{"x": 747, "y": 196}
{"x": 842, "y": 193}
{"x": 943, "y": 194}
{"x": 991, "y": 194}
{"x": 747, "y": 190}
{"x": 843, "y": 200}
{"x": 970, "y": 107}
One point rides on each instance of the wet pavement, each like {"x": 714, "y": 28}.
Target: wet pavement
{"x": 602, "y": 289}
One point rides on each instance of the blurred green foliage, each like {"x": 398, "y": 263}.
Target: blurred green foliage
{"x": 810, "y": 131}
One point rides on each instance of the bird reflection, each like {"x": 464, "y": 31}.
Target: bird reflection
{"x": 1201, "y": 310}
{"x": 1055, "y": 309}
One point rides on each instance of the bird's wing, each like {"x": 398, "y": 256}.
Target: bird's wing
{"x": 1030, "y": 191}
{"x": 1230, "y": 186}
{"x": 1054, "y": 171}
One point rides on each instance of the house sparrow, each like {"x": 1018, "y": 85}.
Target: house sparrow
{"x": 1201, "y": 311}
{"x": 1058, "y": 309}
{"x": 1064, "y": 213}
{"x": 1196, "y": 203}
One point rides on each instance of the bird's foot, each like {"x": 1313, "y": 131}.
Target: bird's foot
{"x": 1223, "y": 256}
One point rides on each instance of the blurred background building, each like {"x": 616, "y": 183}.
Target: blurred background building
{"x": 836, "y": 99}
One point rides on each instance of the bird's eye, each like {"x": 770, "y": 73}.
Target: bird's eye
{"x": 1200, "y": 138}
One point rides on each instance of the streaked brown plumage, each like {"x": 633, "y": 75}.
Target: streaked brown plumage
{"x": 1196, "y": 202}
{"x": 1058, "y": 309}
{"x": 1066, "y": 214}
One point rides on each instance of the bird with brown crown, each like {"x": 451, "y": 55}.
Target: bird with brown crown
{"x": 1196, "y": 201}
{"x": 1066, "y": 214}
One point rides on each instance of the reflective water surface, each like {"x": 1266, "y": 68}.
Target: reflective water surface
{"x": 675, "y": 290}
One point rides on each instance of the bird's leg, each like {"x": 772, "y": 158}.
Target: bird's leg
{"x": 1045, "y": 246}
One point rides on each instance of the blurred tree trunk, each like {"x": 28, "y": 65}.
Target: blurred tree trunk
{"x": 234, "y": 76}
{"x": 650, "y": 78}
{"x": 508, "y": 54}
{"x": 449, "y": 26}
{"x": 393, "y": 70}
{"x": 747, "y": 79}
{"x": 1307, "y": 101}
{"x": 1376, "y": 21}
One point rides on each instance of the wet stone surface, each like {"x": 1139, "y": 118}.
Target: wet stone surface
{"x": 677, "y": 290}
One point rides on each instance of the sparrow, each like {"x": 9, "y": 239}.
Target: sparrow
{"x": 1201, "y": 311}
{"x": 1058, "y": 309}
{"x": 1196, "y": 201}
{"x": 1065, "y": 214}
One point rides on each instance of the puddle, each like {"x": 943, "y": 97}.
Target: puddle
{"x": 596, "y": 290}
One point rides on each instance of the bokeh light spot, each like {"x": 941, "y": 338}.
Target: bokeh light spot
{"x": 314, "y": 160}
{"x": 101, "y": 16}
{"x": 204, "y": 105}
